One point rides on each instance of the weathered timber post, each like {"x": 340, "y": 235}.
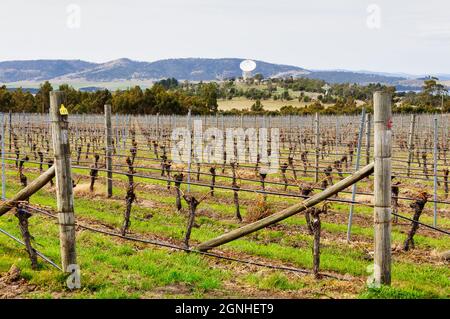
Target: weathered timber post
{"x": 108, "y": 146}
{"x": 382, "y": 187}
{"x": 316, "y": 162}
{"x": 358, "y": 158}
{"x": 10, "y": 131}
{"x": 189, "y": 151}
{"x": 411, "y": 142}
{"x": 446, "y": 172}
{"x": 336, "y": 139}
{"x": 435, "y": 170}
{"x": 22, "y": 215}
{"x": 368, "y": 129}
{"x": 64, "y": 191}
{"x": 3, "y": 159}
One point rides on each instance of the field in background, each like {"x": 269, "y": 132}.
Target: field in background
{"x": 241, "y": 103}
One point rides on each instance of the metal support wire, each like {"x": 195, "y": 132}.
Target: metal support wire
{"x": 37, "y": 251}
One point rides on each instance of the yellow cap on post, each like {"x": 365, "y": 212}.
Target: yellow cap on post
{"x": 63, "y": 110}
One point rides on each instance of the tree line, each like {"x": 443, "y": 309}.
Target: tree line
{"x": 161, "y": 98}
{"x": 169, "y": 96}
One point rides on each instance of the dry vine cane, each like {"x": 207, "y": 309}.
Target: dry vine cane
{"x": 22, "y": 177}
{"x": 306, "y": 189}
{"x": 41, "y": 161}
{"x": 178, "y": 179}
{"x": 236, "y": 188}
{"x": 418, "y": 206}
{"x": 262, "y": 178}
{"x": 315, "y": 226}
{"x": 93, "y": 173}
{"x": 338, "y": 167}
{"x": 130, "y": 198}
{"x": 328, "y": 181}
{"x": 283, "y": 168}
{"x": 167, "y": 167}
{"x": 193, "y": 204}
{"x": 304, "y": 158}
{"x": 212, "y": 170}
{"x": 23, "y": 215}
{"x": 395, "y": 190}
{"x": 446, "y": 171}
{"x": 291, "y": 165}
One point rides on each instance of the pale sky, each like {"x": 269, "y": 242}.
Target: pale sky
{"x": 389, "y": 36}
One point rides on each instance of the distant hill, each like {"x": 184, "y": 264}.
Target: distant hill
{"x": 192, "y": 69}
{"x": 39, "y": 70}
{"x": 354, "y": 77}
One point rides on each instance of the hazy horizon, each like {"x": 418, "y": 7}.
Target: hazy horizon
{"x": 411, "y": 37}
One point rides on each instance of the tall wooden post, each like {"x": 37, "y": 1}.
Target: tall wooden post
{"x": 382, "y": 187}
{"x": 411, "y": 142}
{"x": 108, "y": 146}
{"x": 10, "y": 130}
{"x": 435, "y": 170}
{"x": 3, "y": 159}
{"x": 368, "y": 132}
{"x": 358, "y": 158}
{"x": 190, "y": 150}
{"x": 316, "y": 162}
{"x": 64, "y": 192}
{"x": 336, "y": 140}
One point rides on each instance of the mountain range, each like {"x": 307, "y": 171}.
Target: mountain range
{"x": 192, "y": 69}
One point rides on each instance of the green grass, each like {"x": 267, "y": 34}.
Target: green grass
{"x": 386, "y": 292}
{"x": 114, "y": 268}
{"x": 277, "y": 280}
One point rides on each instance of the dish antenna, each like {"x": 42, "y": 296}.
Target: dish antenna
{"x": 247, "y": 66}
{"x": 326, "y": 87}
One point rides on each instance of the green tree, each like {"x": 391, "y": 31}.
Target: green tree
{"x": 209, "y": 92}
{"x": 43, "y": 97}
{"x": 6, "y": 102}
{"x": 257, "y": 106}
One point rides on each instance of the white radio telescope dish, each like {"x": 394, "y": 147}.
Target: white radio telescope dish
{"x": 248, "y": 65}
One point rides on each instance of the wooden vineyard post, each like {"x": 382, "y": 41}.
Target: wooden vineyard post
{"x": 108, "y": 146}
{"x": 435, "y": 170}
{"x": 336, "y": 140}
{"x": 157, "y": 126}
{"x": 64, "y": 191}
{"x": 189, "y": 151}
{"x": 411, "y": 143}
{"x": 358, "y": 157}
{"x": 368, "y": 129}
{"x": 3, "y": 159}
{"x": 317, "y": 133}
{"x": 382, "y": 187}
{"x": 10, "y": 131}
